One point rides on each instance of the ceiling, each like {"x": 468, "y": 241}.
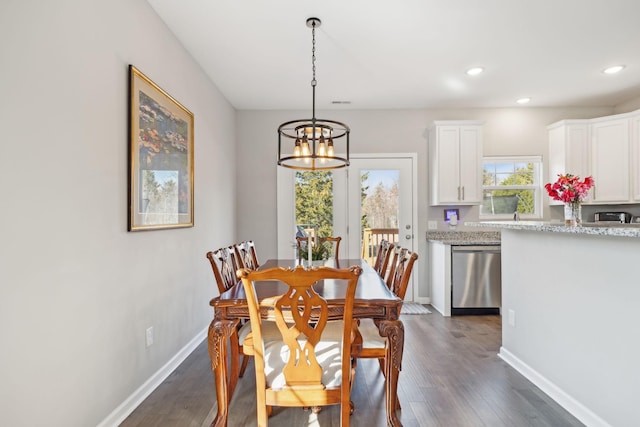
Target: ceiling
{"x": 381, "y": 54}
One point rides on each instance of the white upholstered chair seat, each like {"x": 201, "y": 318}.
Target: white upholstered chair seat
{"x": 269, "y": 329}
{"x": 276, "y": 354}
{"x": 371, "y": 335}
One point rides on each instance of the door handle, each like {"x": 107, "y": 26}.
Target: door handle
{"x": 409, "y": 236}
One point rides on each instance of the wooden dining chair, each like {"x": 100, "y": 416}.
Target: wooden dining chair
{"x": 332, "y": 245}
{"x": 399, "y": 277}
{"x": 225, "y": 267}
{"x": 247, "y": 256}
{"x": 382, "y": 257}
{"x": 307, "y": 362}
{"x": 368, "y": 341}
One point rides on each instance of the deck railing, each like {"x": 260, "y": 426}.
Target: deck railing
{"x": 371, "y": 239}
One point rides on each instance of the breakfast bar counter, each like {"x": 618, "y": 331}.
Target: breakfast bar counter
{"x": 570, "y": 297}
{"x": 590, "y": 228}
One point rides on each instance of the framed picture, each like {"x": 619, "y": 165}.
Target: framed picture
{"x": 160, "y": 157}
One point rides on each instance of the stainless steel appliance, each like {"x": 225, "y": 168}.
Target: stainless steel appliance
{"x": 476, "y": 279}
{"x": 618, "y": 217}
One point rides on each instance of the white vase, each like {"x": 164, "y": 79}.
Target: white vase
{"x": 572, "y": 214}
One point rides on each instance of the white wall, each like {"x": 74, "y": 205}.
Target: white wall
{"x": 575, "y": 330}
{"x": 509, "y": 131}
{"x": 76, "y": 289}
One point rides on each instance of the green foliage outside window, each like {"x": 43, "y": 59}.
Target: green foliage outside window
{"x": 314, "y": 201}
{"x": 519, "y": 180}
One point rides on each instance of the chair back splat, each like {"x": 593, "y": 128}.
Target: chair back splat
{"x": 224, "y": 265}
{"x": 247, "y": 256}
{"x": 382, "y": 257}
{"x": 403, "y": 265}
{"x": 307, "y": 362}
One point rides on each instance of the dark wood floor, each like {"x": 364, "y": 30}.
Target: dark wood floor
{"x": 451, "y": 377}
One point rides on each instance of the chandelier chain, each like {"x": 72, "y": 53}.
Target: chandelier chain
{"x": 313, "y": 53}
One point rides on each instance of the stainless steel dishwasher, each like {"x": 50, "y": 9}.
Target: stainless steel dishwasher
{"x": 476, "y": 279}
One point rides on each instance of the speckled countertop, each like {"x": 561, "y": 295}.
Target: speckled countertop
{"x": 464, "y": 236}
{"x": 622, "y": 230}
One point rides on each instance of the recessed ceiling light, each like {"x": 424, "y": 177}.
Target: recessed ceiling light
{"x": 475, "y": 71}
{"x": 523, "y": 100}
{"x": 613, "y": 70}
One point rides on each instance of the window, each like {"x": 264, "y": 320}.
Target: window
{"x": 509, "y": 185}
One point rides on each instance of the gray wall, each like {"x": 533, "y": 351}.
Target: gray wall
{"x": 77, "y": 291}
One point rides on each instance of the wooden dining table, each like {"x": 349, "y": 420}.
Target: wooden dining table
{"x": 373, "y": 300}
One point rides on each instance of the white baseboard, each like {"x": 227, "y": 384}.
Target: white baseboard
{"x": 423, "y": 300}
{"x": 575, "y": 408}
{"x": 131, "y": 403}
{"x": 438, "y": 309}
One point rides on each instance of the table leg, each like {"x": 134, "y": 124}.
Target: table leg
{"x": 394, "y": 331}
{"x": 219, "y": 333}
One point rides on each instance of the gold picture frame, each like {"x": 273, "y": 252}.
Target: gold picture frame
{"x": 160, "y": 157}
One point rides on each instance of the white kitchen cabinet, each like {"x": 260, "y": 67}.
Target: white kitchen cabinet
{"x": 635, "y": 158}
{"x": 610, "y": 150}
{"x": 569, "y": 150}
{"x": 455, "y": 159}
{"x": 440, "y": 269}
{"x": 608, "y": 146}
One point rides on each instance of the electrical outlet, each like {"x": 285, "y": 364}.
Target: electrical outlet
{"x": 149, "y": 336}
{"x": 432, "y": 225}
{"x": 512, "y": 318}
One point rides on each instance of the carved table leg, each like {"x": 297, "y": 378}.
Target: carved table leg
{"x": 219, "y": 333}
{"x": 394, "y": 331}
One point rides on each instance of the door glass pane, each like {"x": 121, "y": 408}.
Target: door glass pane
{"x": 379, "y": 209}
{"x": 314, "y": 203}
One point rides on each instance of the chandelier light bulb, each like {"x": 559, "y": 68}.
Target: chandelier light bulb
{"x": 322, "y": 149}
{"x": 330, "y": 152}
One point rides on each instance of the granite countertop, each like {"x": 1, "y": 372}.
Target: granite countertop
{"x": 592, "y": 228}
{"x": 464, "y": 236}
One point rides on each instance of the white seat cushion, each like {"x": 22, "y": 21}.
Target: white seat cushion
{"x": 269, "y": 329}
{"x": 371, "y": 335}
{"x": 328, "y": 354}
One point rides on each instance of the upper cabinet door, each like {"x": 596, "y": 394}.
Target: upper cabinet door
{"x": 635, "y": 158}
{"x": 569, "y": 151}
{"x": 610, "y": 161}
{"x": 471, "y": 164}
{"x": 455, "y": 163}
{"x": 447, "y": 169}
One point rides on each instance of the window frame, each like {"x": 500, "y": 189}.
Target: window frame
{"x": 537, "y": 187}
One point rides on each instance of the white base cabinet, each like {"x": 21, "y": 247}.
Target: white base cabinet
{"x": 440, "y": 268}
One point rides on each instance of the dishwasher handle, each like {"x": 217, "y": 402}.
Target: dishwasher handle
{"x": 475, "y": 248}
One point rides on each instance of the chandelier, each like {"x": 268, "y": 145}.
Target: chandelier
{"x": 313, "y": 144}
